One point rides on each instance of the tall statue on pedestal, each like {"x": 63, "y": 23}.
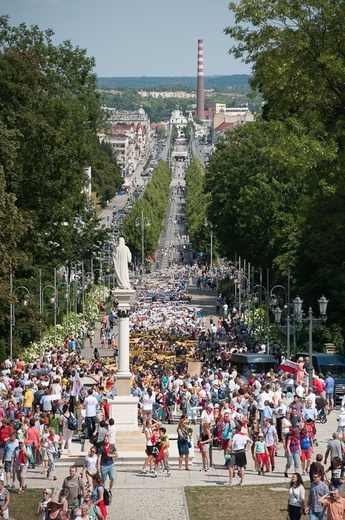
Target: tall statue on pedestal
{"x": 121, "y": 259}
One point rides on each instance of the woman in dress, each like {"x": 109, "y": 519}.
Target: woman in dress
{"x": 204, "y": 443}
{"x": 300, "y": 372}
{"x": 183, "y": 443}
{"x": 98, "y": 494}
{"x": 90, "y": 466}
{"x": 296, "y": 497}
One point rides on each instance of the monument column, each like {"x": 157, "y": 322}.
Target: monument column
{"x": 124, "y": 407}
{"x": 123, "y": 374}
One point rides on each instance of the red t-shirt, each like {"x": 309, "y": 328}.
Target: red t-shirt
{"x": 5, "y": 432}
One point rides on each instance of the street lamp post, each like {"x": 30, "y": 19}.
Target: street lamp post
{"x": 142, "y": 222}
{"x": 53, "y": 300}
{"x": 208, "y": 224}
{"x": 278, "y": 311}
{"x": 323, "y": 302}
{"x": 12, "y": 312}
{"x": 258, "y": 299}
{"x": 66, "y": 297}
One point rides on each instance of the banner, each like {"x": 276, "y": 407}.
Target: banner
{"x": 289, "y": 366}
{"x": 78, "y": 388}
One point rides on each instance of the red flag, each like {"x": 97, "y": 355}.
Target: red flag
{"x": 289, "y": 366}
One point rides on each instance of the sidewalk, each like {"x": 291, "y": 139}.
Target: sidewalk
{"x": 140, "y": 496}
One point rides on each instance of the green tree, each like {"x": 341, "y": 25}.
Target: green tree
{"x": 256, "y": 181}
{"x": 296, "y": 49}
{"x": 49, "y": 113}
{"x": 105, "y": 173}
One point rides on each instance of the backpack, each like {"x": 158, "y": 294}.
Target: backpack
{"x": 305, "y": 442}
{"x": 72, "y": 423}
{"x": 193, "y": 400}
{"x": 106, "y": 497}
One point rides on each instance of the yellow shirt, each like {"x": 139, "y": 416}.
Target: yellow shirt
{"x": 28, "y": 399}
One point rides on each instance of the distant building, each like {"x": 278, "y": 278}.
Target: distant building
{"x": 179, "y": 120}
{"x": 129, "y": 133}
{"x": 179, "y": 94}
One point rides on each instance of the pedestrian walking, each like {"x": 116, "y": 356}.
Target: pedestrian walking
{"x": 334, "y": 505}
{"x": 318, "y": 490}
{"x": 5, "y": 498}
{"x": 293, "y": 451}
{"x": 296, "y": 497}
{"x": 105, "y": 463}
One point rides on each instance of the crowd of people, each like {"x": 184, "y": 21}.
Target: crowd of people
{"x": 243, "y": 414}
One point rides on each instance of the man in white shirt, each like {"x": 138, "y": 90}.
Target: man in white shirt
{"x": 90, "y": 405}
{"x": 239, "y": 444}
{"x": 262, "y": 397}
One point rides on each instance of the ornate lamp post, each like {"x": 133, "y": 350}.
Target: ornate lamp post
{"x": 297, "y": 303}
{"x": 12, "y": 311}
{"x": 208, "y": 224}
{"x": 142, "y": 222}
{"x": 53, "y": 300}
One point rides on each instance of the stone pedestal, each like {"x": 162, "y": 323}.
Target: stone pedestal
{"x": 123, "y": 374}
{"x": 124, "y": 411}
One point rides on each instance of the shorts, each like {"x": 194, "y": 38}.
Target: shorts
{"x": 7, "y": 466}
{"x": 329, "y": 395}
{"x": 108, "y": 471}
{"x": 306, "y": 454}
{"x": 205, "y": 448}
{"x": 238, "y": 459}
{"x": 224, "y": 443}
{"x": 149, "y": 450}
{"x": 21, "y": 472}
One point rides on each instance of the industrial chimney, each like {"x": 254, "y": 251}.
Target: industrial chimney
{"x": 200, "y": 101}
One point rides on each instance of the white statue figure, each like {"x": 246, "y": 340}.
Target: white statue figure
{"x": 121, "y": 258}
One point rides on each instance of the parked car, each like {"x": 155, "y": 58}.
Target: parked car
{"x": 257, "y": 363}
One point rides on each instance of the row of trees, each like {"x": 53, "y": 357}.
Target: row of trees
{"x": 276, "y": 187}
{"x": 151, "y": 207}
{"x": 49, "y": 115}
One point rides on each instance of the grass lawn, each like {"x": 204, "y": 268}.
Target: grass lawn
{"x": 24, "y": 506}
{"x": 261, "y": 502}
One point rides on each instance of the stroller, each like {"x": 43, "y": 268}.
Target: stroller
{"x": 321, "y": 407}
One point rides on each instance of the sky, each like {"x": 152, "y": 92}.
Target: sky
{"x": 137, "y": 37}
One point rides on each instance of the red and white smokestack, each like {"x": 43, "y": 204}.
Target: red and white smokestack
{"x": 200, "y": 96}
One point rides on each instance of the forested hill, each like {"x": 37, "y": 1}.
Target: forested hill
{"x": 149, "y": 82}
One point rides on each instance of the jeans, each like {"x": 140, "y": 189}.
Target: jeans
{"x": 91, "y": 425}
{"x": 316, "y": 516}
{"x": 51, "y": 463}
{"x": 271, "y": 452}
{"x": 294, "y": 457}
{"x": 294, "y": 512}
{"x": 336, "y": 486}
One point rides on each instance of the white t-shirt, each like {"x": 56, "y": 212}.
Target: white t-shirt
{"x": 90, "y": 404}
{"x": 91, "y": 463}
{"x": 300, "y": 390}
{"x": 261, "y": 400}
{"x": 148, "y": 402}
{"x": 240, "y": 441}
